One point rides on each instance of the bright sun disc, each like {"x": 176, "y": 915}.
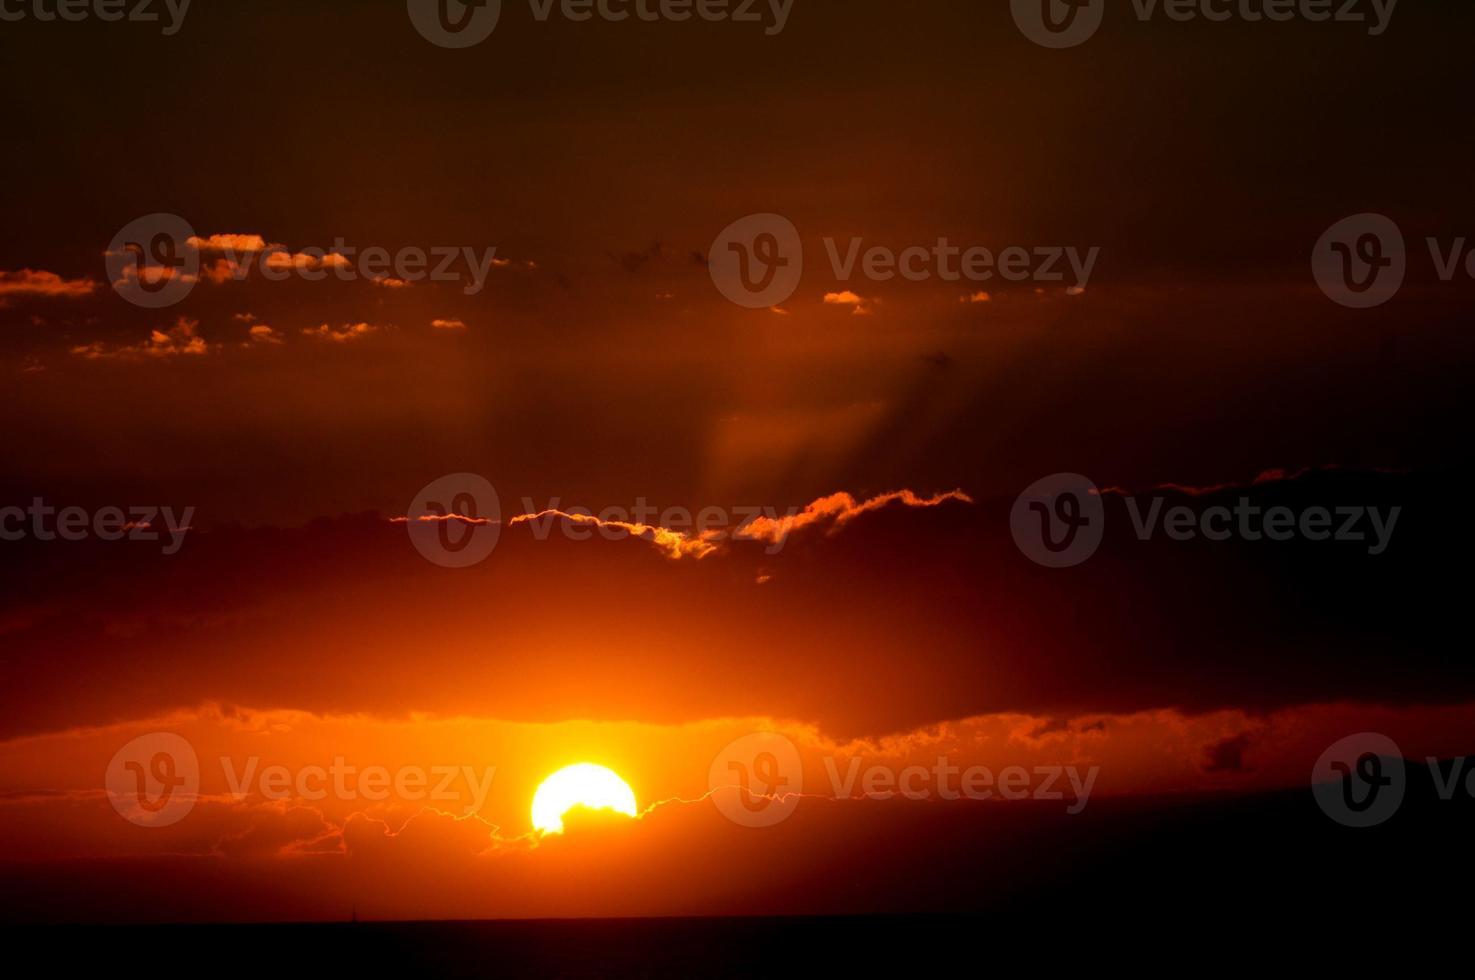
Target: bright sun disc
{"x": 584, "y": 785}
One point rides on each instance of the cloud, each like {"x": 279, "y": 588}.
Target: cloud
{"x": 341, "y": 335}
{"x": 1264, "y": 479}
{"x": 859, "y": 305}
{"x": 229, "y": 243}
{"x": 673, "y": 544}
{"x": 32, "y": 282}
{"x": 227, "y": 257}
{"x": 181, "y": 339}
{"x": 909, "y": 615}
{"x": 838, "y": 510}
{"x": 156, "y": 274}
{"x": 394, "y": 853}
{"x": 635, "y": 260}
{"x": 1228, "y": 755}
{"x": 281, "y": 261}
{"x": 451, "y": 324}
{"x": 258, "y": 332}
{"x": 223, "y": 270}
{"x": 276, "y": 829}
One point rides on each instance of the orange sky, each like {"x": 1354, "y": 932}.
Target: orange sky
{"x": 395, "y": 853}
{"x": 702, "y": 521}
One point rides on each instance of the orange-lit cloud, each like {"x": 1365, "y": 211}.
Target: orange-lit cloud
{"x": 32, "y": 282}
{"x": 839, "y": 509}
{"x": 341, "y": 335}
{"x": 221, "y": 270}
{"x": 859, "y": 305}
{"x": 181, "y": 339}
{"x": 404, "y": 814}
{"x": 282, "y": 261}
{"x": 155, "y": 275}
{"x": 229, "y": 243}
{"x": 835, "y": 510}
{"x": 911, "y": 614}
{"x": 673, "y": 544}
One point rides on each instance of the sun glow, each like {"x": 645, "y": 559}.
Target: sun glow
{"x": 585, "y": 784}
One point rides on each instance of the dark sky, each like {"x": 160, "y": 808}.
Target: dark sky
{"x": 1204, "y": 161}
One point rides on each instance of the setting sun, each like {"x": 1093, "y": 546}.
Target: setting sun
{"x": 585, "y": 784}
